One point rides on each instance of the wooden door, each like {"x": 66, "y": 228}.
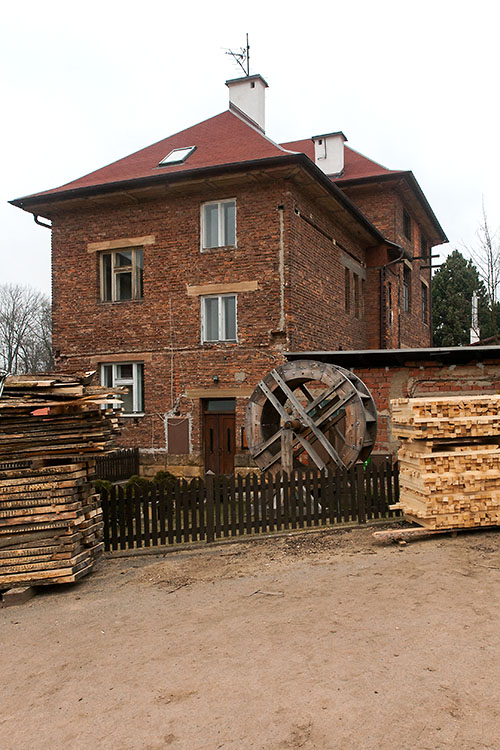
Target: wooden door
{"x": 219, "y": 440}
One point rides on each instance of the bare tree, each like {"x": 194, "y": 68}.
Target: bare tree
{"x": 486, "y": 257}
{"x": 25, "y": 329}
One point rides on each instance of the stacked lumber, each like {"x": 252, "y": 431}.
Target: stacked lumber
{"x": 449, "y": 460}
{"x": 52, "y": 428}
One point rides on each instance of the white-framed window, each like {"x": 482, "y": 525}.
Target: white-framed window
{"x": 130, "y": 374}
{"x": 121, "y": 274}
{"x": 218, "y": 318}
{"x": 218, "y": 224}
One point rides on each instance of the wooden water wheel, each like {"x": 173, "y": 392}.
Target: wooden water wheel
{"x": 310, "y": 413}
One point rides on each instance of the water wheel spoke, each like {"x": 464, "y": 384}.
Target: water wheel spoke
{"x": 307, "y": 393}
{"x": 324, "y": 395}
{"x": 311, "y": 452}
{"x": 333, "y": 409}
{"x": 274, "y": 401}
{"x": 267, "y": 443}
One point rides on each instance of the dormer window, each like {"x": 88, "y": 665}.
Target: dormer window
{"x": 177, "y": 156}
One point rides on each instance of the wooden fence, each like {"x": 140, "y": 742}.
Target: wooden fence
{"x": 203, "y": 510}
{"x": 117, "y": 466}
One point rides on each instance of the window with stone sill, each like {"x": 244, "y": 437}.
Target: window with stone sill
{"x": 130, "y": 375}
{"x": 122, "y": 274}
{"x": 218, "y": 224}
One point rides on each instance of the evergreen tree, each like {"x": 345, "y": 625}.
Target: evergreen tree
{"x": 452, "y": 287}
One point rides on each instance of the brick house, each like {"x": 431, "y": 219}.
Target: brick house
{"x": 187, "y": 269}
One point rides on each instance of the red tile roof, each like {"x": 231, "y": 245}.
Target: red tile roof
{"x": 356, "y": 165}
{"x": 223, "y": 139}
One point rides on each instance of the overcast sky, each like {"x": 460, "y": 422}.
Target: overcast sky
{"x": 412, "y": 86}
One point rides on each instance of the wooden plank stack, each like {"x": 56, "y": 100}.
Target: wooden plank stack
{"x": 52, "y": 428}
{"x": 449, "y": 460}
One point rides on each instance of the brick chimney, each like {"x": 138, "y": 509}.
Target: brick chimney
{"x": 247, "y": 97}
{"x": 329, "y": 153}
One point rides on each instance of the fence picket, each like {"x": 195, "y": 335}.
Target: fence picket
{"x": 268, "y": 503}
{"x": 248, "y": 504}
{"x": 136, "y": 495}
{"x": 177, "y": 513}
{"x": 225, "y": 506}
{"x": 145, "y": 516}
{"x": 105, "y": 517}
{"x": 255, "y": 498}
{"x": 277, "y": 508}
{"x": 113, "y": 521}
{"x": 210, "y": 508}
{"x": 129, "y": 511}
{"x": 232, "y": 504}
{"x": 161, "y": 513}
{"x": 241, "y": 505}
{"x": 185, "y": 510}
{"x": 323, "y": 496}
{"x": 191, "y": 503}
{"x": 360, "y": 493}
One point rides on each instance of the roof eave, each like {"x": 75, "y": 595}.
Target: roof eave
{"x": 408, "y": 175}
{"x": 30, "y": 202}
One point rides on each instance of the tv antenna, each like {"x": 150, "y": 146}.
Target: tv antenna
{"x": 242, "y": 57}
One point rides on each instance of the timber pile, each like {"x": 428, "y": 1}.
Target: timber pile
{"x": 52, "y": 430}
{"x": 449, "y": 460}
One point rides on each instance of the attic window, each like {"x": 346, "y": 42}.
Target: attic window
{"x": 177, "y": 156}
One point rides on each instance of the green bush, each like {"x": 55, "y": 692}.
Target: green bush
{"x": 164, "y": 477}
{"x": 102, "y": 485}
{"x": 137, "y": 481}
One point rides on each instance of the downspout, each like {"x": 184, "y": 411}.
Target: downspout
{"x": 281, "y": 268}
{"x": 382, "y": 280}
{"x": 41, "y": 223}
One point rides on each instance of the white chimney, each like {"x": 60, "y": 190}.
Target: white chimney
{"x": 329, "y": 153}
{"x": 247, "y": 97}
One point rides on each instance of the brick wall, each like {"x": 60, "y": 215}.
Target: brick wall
{"x": 162, "y": 330}
{"x": 383, "y": 206}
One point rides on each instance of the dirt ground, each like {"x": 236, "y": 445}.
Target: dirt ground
{"x": 323, "y": 640}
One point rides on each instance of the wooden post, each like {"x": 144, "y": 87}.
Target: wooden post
{"x": 286, "y": 451}
{"x": 360, "y": 493}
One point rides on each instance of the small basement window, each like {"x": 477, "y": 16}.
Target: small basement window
{"x": 177, "y": 156}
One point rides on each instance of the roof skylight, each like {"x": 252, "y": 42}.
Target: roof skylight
{"x": 177, "y": 156}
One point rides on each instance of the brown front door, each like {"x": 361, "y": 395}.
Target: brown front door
{"x": 219, "y": 426}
